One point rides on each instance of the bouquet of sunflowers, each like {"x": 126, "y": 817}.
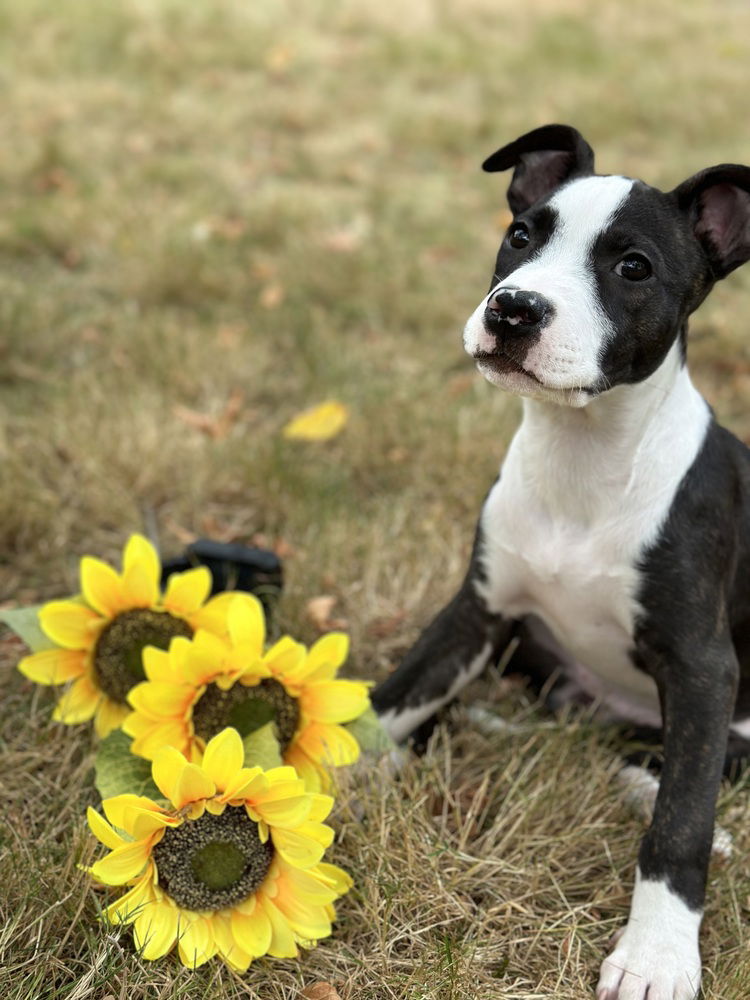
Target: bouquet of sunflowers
{"x": 215, "y": 756}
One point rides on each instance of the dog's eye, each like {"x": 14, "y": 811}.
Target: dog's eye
{"x": 518, "y": 236}
{"x": 634, "y": 267}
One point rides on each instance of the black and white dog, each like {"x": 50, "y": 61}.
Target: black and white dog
{"x": 616, "y": 542}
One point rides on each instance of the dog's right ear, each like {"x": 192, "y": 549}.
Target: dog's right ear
{"x": 543, "y": 159}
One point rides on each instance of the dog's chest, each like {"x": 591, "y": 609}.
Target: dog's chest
{"x": 577, "y": 573}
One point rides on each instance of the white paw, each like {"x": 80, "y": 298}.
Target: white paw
{"x": 660, "y": 969}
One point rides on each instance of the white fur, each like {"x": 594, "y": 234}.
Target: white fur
{"x": 657, "y": 954}
{"x": 582, "y": 495}
{"x": 741, "y": 728}
{"x": 400, "y": 723}
{"x": 566, "y": 357}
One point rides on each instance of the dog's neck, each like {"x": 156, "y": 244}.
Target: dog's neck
{"x": 583, "y": 463}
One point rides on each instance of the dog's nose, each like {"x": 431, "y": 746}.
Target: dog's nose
{"x": 516, "y": 313}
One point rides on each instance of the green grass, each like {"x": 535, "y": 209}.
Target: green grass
{"x": 282, "y": 203}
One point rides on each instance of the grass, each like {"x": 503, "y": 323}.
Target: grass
{"x": 263, "y": 206}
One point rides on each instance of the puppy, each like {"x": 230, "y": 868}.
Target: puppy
{"x": 616, "y": 541}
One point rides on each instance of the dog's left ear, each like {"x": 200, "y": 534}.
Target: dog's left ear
{"x": 718, "y": 203}
{"x": 543, "y": 159}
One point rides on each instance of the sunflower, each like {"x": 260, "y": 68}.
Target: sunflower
{"x": 231, "y": 866}
{"x": 198, "y": 687}
{"x": 98, "y": 640}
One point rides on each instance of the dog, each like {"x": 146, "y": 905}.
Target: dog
{"x": 615, "y": 544}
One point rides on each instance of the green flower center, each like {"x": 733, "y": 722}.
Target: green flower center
{"x": 247, "y": 709}
{"x": 118, "y": 661}
{"x": 213, "y": 861}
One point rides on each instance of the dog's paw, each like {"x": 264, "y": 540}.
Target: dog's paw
{"x": 663, "y": 968}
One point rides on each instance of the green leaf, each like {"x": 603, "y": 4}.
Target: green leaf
{"x": 118, "y": 771}
{"x": 368, "y": 731}
{"x": 262, "y": 748}
{"x": 25, "y": 623}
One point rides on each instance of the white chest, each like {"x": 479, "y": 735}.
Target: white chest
{"x": 582, "y": 498}
{"x": 580, "y": 580}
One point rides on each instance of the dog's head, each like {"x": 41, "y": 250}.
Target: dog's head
{"x": 597, "y": 275}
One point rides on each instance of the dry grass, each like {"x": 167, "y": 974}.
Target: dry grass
{"x": 275, "y": 204}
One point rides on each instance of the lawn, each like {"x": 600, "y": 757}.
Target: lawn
{"x": 213, "y": 215}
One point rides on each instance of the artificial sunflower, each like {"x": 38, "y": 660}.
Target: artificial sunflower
{"x": 98, "y": 640}
{"x": 198, "y": 687}
{"x": 231, "y": 866}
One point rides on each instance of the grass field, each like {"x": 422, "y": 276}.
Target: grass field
{"x": 213, "y": 215}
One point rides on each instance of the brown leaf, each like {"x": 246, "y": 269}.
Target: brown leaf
{"x": 320, "y": 991}
{"x": 272, "y": 296}
{"x": 216, "y": 427}
{"x": 381, "y": 628}
{"x": 318, "y": 610}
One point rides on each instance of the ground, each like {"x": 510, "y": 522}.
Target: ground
{"x": 215, "y": 215}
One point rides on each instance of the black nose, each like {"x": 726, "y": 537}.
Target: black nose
{"x": 515, "y": 313}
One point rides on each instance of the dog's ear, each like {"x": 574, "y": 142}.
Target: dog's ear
{"x": 543, "y": 159}
{"x": 717, "y": 201}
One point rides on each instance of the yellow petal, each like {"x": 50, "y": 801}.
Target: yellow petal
{"x": 160, "y": 701}
{"x": 121, "y": 864}
{"x": 158, "y": 735}
{"x": 247, "y": 623}
{"x": 156, "y": 929}
{"x": 70, "y": 625}
{"x": 252, "y": 932}
{"x": 297, "y": 848}
{"x": 196, "y": 943}
{"x": 109, "y": 716}
{"x": 187, "y": 591}
{"x": 132, "y": 904}
{"x": 167, "y": 666}
{"x": 334, "y": 701}
{"x": 53, "y": 666}
{"x": 312, "y": 774}
{"x": 330, "y": 650}
{"x": 102, "y": 830}
{"x": 204, "y": 660}
{"x": 226, "y": 945}
{"x": 166, "y": 770}
{"x": 213, "y": 615}
{"x": 328, "y": 744}
{"x": 102, "y": 587}
{"x": 193, "y": 785}
{"x": 307, "y": 919}
{"x": 282, "y": 944}
{"x": 137, "y": 815}
{"x": 285, "y": 657}
{"x": 78, "y": 704}
{"x": 287, "y": 812}
{"x": 246, "y": 784}
{"x": 320, "y": 808}
{"x": 319, "y": 423}
{"x": 333, "y": 876}
{"x": 140, "y": 553}
{"x": 305, "y": 886}
{"x": 138, "y": 589}
{"x": 223, "y": 758}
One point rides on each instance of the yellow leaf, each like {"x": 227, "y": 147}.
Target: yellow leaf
{"x": 318, "y": 423}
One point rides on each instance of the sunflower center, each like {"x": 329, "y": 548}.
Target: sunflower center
{"x": 213, "y": 861}
{"x": 118, "y": 663}
{"x": 247, "y": 709}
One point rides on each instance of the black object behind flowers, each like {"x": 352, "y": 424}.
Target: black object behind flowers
{"x": 232, "y": 567}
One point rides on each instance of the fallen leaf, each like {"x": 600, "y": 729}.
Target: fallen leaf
{"x": 319, "y": 423}
{"x": 272, "y": 296}
{"x": 216, "y": 427}
{"x": 318, "y": 610}
{"x": 279, "y": 58}
{"x": 381, "y": 628}
{"x": 320, "y": 991}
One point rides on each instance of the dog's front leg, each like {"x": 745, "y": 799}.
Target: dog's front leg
{"x": 657, "y": 953}
{"x": 453, "y": 650}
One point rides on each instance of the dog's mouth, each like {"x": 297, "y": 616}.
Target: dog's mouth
{"x": 501, "y": 364}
